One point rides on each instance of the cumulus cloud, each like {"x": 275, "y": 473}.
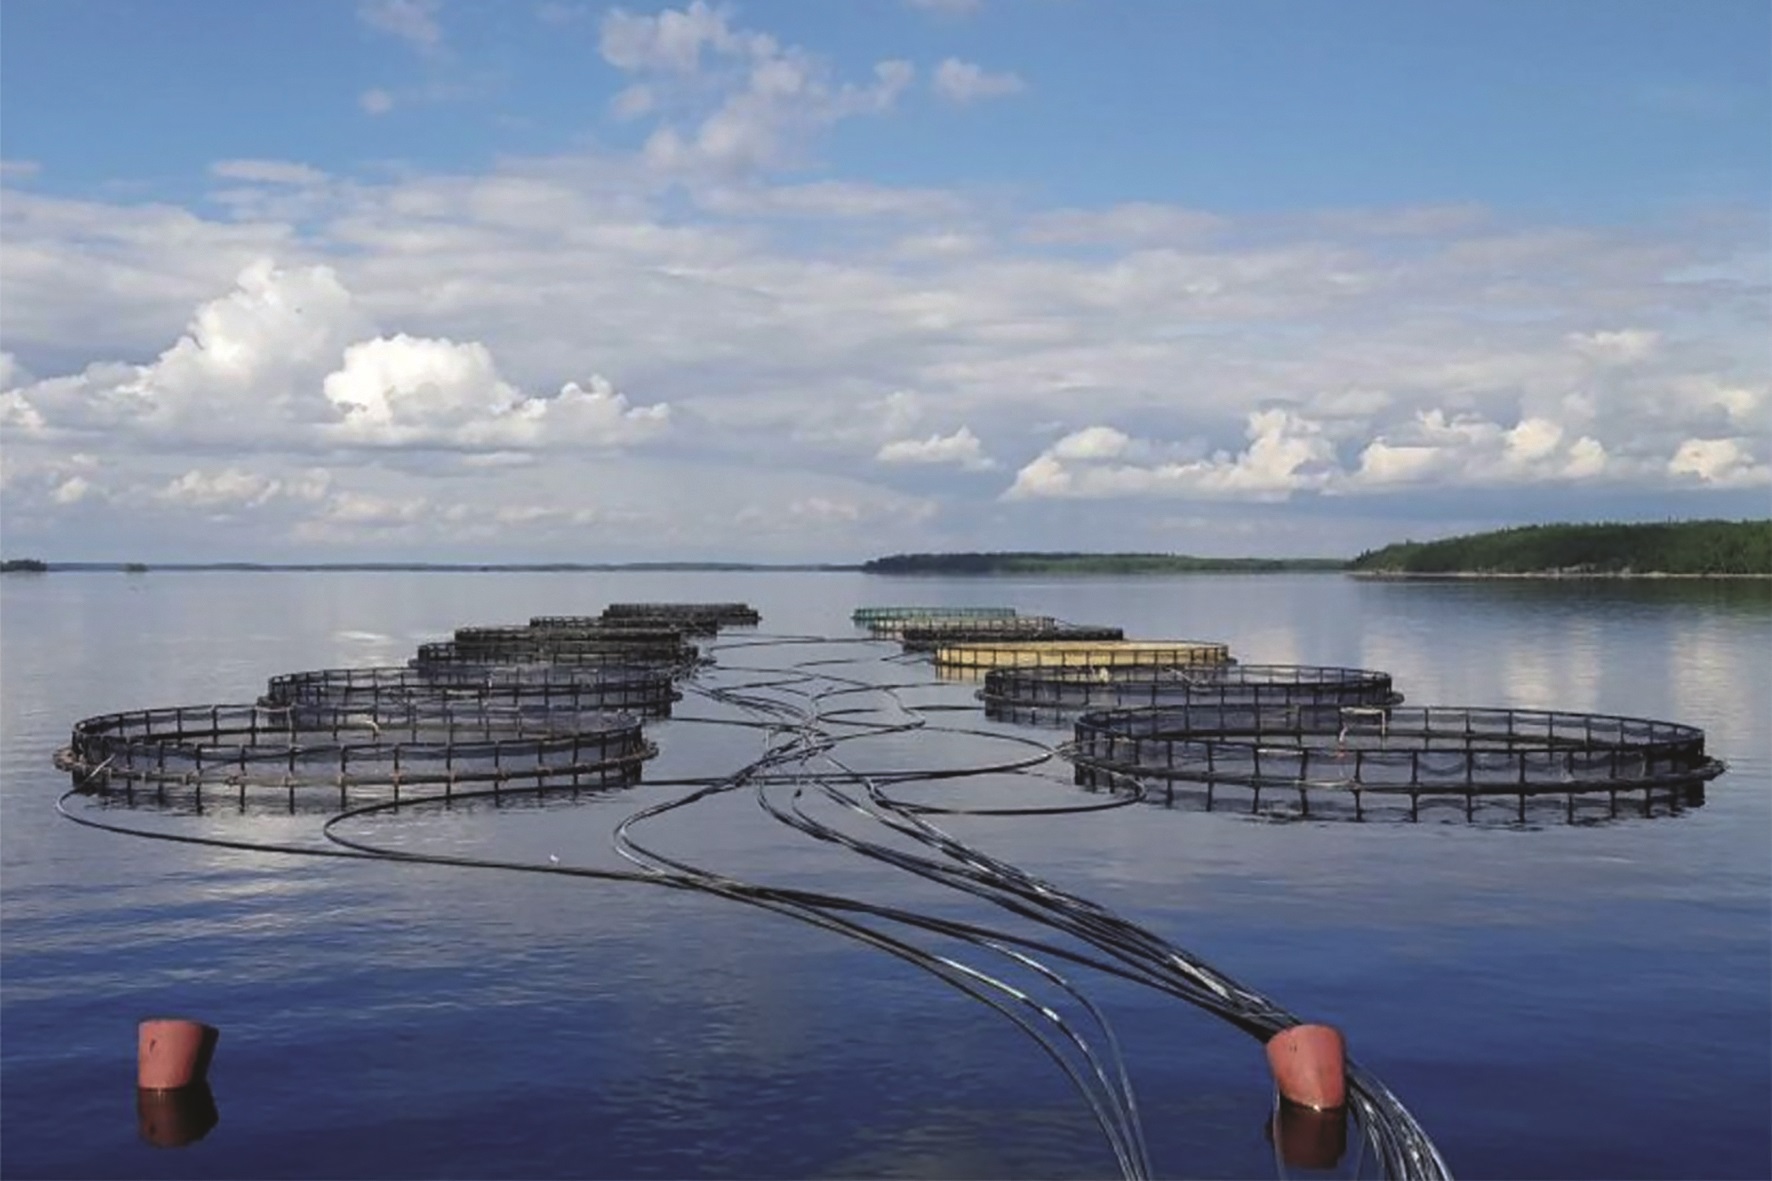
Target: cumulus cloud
{"x": 962, "y": 448}
{"x": 730, "y": 100}
{"x": 801, "y": 341}
{"x": 1726, "y": 463}
{"x": 1471, "y": 450}
{"x": 965, "y": 82}
{"x": 289, "y": 360}
{"x": 1286, "y": 454}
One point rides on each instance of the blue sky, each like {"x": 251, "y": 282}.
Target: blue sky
{"x": 1217, "y": 277}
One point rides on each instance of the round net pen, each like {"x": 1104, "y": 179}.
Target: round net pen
{"x": 1095, "y": 655}
{"x": 467, "y": 638}
{"x": 689, "y": 625}
{"x": 918, "y": 639}
{"x": 1355, "y": 762}
{"x": 647, "y": 692}
{"x": 1038, "y": 696}
{"x": 642, "y": 652}
{"x": 993, "y": 625}
{"x": 723, "y": 614}
{"x": 321, "y": 751}
{"x": 869, "y": 616}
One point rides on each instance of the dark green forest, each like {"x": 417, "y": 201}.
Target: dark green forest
{"x": 1080, "y": 563}
{"x": 1674, "y": 547}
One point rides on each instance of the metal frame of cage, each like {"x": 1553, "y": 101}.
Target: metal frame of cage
{"x": 1085, "y": 654}
{"x": 1450, "y": 752}
{"x": 1051, "y": 696}
{"x": 868, "y": 616}
{"x": 241, "y": 747}
{"x": 619, "y": 688}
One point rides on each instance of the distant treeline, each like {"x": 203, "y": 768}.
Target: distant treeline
{"x": 23, "y": 566}
{"x": 1080, "y": 563}
{"x": 1676, "y": 547}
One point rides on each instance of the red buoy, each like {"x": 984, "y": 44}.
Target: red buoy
{"x": 1310, "y": 1065}
{"x": 172, "y": 1053}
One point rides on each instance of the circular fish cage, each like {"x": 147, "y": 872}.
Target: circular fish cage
{"x": 689, "y": 625}
{"x": 647, "y": 652}
{"x": 1053, "y": 696}
{"x": 467, "y": 638}
{"x": 869, "y": 616}
{"x": 927, "y": 639}
{"x": 895, "y": 629}
{"x": 615, "y": 688}
{"x": 383, "y": 750}
{"x": 723, "y": 614}
{"x": 1358, "y": 761}
{"x": 978, "y": 658}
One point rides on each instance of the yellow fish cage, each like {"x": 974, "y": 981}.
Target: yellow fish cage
{"x": 970, "y": 661}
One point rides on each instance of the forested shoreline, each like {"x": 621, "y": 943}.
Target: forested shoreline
{"x": 1665, "y": 549}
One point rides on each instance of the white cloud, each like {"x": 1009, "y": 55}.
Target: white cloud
{"x": 20, "y": 169}
{"x": 288, "y": 361}
{"x": 1623, "y": 347}
{"x": 376, "y": 101}
{"x": 784, "y": 335}
{"x": 72, "y": 490}
{"x": 1727, "y": 463}
{"x": 962, "y": 448}
{"x": 731, "y": 101}
{"x": 948, "y": 7}
{"x": 964, "y": 82}
{"x": 275, "y": 172}
{"x": 1286, "y": 454}
{"x": 411, "y": 21}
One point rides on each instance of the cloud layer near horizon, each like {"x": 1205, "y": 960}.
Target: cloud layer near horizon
{"x": 686, "y": 349}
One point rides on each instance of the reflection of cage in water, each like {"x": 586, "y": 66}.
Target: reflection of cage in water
{"x": 1357, "y": 759}
{"x": 381, "y": 750}
{"x": 1083, "y": 654}
{"x": 616, "y": 688}
{"x": 868, "y": 617}
{"x": 924, "y": 637}
{"x": 737, "y": 614}
{"x": 1052, "y": 696}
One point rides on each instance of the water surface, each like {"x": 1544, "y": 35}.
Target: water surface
{"x": 1560, "y": 1001}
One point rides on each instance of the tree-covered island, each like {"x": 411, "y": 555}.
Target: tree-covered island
{"x": 1673, "y": 548}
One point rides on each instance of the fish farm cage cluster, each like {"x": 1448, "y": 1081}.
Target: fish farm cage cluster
{"x": 561, "y": 701}
{"x": 564, "y": 700}
{"x": 1182, "y": 722}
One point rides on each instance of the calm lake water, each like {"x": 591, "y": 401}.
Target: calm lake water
{"x": 1559, "y": 1001}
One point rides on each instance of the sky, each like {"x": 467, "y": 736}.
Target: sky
{"x": 450, "y": 280}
